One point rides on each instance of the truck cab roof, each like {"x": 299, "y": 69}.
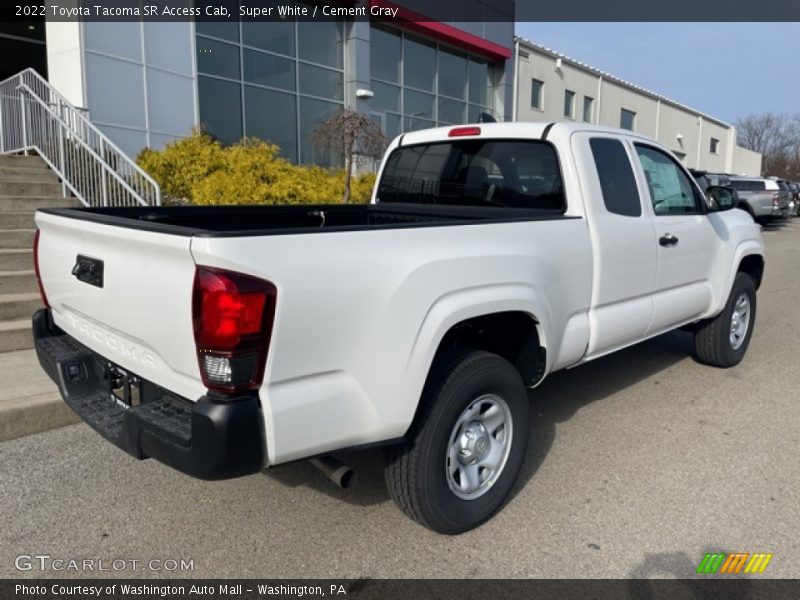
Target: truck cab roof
{"x": 516, "y": 129}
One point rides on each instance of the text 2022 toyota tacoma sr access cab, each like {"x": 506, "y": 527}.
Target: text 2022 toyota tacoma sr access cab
{"x": 220, "y": 340}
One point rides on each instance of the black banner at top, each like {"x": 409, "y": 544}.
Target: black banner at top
{"x": 448, "y": 11}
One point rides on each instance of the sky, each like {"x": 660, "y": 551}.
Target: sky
{"x": 727, "y": 70}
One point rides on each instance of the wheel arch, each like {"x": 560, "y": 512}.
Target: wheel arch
{"x": 753, "y": 265}
{"x": 747, "y": 258}
{"x": 513, "y": 334}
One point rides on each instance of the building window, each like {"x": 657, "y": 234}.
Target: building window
{"x": 218, "y": 58}
{"x": 418, "y": 84}
{"x": 714, "y": 146}
{"x": 569, "y": 104}
{"x": 221, "y": 108}
{"x": 537, "y": 97}
{"x": 22, "y": 45}
{"x": 272, "y": 80}
{"x": 588, "y": 106}
{"x": 627, "y": 119}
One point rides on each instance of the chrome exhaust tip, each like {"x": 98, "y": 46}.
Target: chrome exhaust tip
{"x": 335, "y": 470}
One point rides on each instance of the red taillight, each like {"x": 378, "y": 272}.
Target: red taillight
{"x": 233, "y": 315}
{"x": 462, "y": 131}
{"x": 776, "y": 199}
{"x": 227, "y": 313}
{"x": 36, "y": 268}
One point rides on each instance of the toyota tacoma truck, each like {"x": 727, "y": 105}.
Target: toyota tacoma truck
{"x": 222, "y": 340}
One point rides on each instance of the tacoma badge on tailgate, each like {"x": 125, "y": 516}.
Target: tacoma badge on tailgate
{"x": 89, "y": 270}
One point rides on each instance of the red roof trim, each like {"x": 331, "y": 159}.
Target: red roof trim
{"x": 446, "y": 33}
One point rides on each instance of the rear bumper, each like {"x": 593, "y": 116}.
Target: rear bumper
{"x": 207, "y": 439}
{"x": 780, "y": 211}
{"x": 762, "y": 209}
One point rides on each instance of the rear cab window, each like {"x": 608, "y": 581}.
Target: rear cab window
{"x": 617, "y": 181}
{"x": 509, "y": 173}
{"x": 746, "y": 185}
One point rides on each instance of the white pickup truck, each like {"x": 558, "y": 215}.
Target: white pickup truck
{"x": 220, "y": 340}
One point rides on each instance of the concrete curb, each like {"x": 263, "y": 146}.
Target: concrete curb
{"x": 29, "y": 401}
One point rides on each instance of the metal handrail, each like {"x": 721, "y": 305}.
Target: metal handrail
{"x": 34, "y": 116}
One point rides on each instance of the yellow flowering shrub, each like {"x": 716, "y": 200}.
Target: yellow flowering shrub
{"x": 199, "y": 170}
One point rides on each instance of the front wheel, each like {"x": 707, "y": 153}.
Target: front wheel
{"x": 723, "y": 340}
{"x": 466, "y": 445}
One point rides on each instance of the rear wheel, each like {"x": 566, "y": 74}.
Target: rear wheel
{"x": 723, "y": 340}
{"x": 466, "y": 446}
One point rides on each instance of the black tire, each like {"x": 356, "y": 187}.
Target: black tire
{"x": 417, "y": 470}
{"x": 712, "y": 339}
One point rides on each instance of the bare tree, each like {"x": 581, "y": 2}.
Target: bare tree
{"x": 354, "y": 137}
{"x": 776, "y": 136}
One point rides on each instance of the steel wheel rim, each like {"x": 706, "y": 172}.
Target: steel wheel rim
{"x": 740, "y": 321}
{"x": 478, "y": 447}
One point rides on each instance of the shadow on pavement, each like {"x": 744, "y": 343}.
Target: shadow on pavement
{"x": 559, "y": 397}
{"x": 776, "y": 224}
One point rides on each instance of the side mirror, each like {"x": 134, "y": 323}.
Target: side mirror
{"x": 721, "y": 197}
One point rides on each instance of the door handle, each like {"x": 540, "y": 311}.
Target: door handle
{"x": 668, "y": 240}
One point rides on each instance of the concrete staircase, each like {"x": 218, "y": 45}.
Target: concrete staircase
{"x": 36, "y": 116}
{"x": 26, "y": 183}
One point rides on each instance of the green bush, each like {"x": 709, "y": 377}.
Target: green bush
{"x": 199, "y": 170}
{"x": 361, "y": 188}
{"x": 181, "y": 164}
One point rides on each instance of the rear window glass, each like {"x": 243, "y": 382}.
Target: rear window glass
{"x": 748, "y": 186}
{"x": 509, "y": 173}
{"x": 620, "y": 194}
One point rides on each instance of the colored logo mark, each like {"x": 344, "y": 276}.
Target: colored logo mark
{"x": 733, "y": 563}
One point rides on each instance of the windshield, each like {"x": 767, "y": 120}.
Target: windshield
{"x": 511, "y": 173}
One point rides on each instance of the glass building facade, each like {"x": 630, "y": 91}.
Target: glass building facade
{"x": 279, "y": 80}
{"x": 272, "y": 80}
{"x": 147, "y": 82}
{"x": 419, "y": 84}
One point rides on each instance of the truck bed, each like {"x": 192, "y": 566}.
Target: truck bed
{"x": 247, "y": 220}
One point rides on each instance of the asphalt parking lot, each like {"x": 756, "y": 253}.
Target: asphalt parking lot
{"x": 640, "y": 463}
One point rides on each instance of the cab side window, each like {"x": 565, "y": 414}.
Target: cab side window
{"x": 620, "y": 194}
{"x": 671, "y": 192}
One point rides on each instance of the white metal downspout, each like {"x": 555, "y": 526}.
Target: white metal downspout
{"x": 599, "y": 99}
{"x": 699, "y": 140}
{"x": 514, "y": 102}
{"x": 730, "y": 150}
{"x": 658, "y": 118}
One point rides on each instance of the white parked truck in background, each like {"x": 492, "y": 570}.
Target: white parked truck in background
{"x": 220, "y": 340}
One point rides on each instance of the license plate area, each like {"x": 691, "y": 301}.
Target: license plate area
{"x": 126, "y": 388}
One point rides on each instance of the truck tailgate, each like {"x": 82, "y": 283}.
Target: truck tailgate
{"x": 140, "y": 315}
